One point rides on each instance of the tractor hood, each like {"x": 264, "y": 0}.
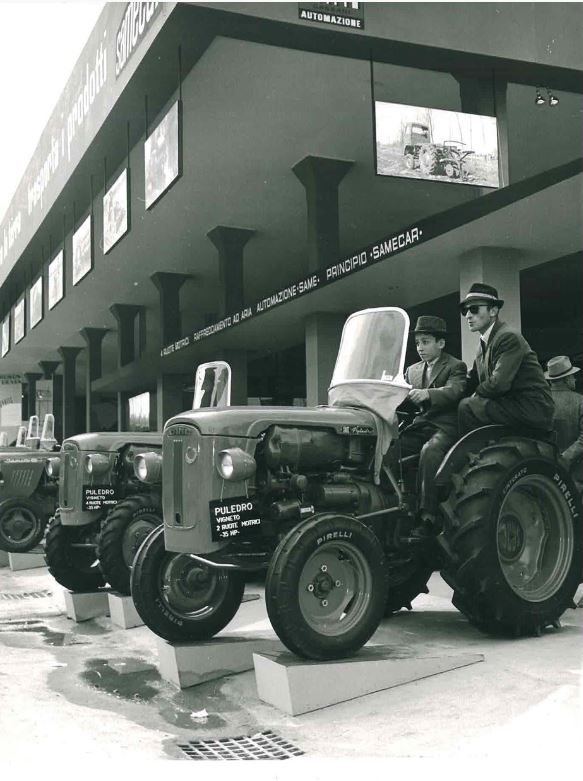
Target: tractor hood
{"x": 252, "y": 421}
{"x": 111, "y": 441}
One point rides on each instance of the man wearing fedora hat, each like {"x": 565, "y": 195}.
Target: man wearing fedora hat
{"x": 568, "y": 419}
{"x": 439, "y": 382}
{"x": 506, "y": 381}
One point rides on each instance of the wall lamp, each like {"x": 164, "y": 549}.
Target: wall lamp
{"x": 540, "y": 101}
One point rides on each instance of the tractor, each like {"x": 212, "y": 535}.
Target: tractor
{"x": 28, "y": 492}
{"x": 106, "y": 509}
{"x": 420, "y": 151}
{"x": 307, "y": 494}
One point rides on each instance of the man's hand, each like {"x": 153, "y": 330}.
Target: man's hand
{"x": 418, "y": 395}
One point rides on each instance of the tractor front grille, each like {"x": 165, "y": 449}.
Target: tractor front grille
{"x": 23, "y": 477}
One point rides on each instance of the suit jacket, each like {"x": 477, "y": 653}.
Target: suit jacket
{"x": 568, "y": 422}
{"x": 446, "y": 387}
{"x": 511, "y": 368}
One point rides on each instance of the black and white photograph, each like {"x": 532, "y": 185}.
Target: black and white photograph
{"x": 82, "y": 250}
{"x": 291, "y": 445}
{"x": 436, "y": 145}
{"x": 56, "y": 277}
{"x": 115, "y": 211}
{"x": 35, "y": 303}
{"x": 162, "y": 156}
{"x": 19, "y": 320}
{"x": 5, "y": 335}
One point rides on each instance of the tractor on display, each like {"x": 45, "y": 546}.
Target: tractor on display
{"x": 420, "y": 151}
{"x": 306, "y": 493}
{"x": 28, "y": 492}
{"x": 106, "y": 509}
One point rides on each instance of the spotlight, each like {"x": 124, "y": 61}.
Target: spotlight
{"x": 539, "y": 100}
{"x": 553, "y": 101}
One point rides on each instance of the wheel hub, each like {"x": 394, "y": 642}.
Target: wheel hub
{"x": 18, "y": 524}
{"x": 510, "y": 537}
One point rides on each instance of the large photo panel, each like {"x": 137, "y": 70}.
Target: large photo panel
{"x": 115, "y": 212}
{"x": 5, "y": 335}
{"x": 56, "y": 280}
{"x": 82, "y": 256}
{"x": 35, "y": 303}
{"x": 162, "y": 155}
{"x": 19, "y": 321}
{"x": 436, "y": 145}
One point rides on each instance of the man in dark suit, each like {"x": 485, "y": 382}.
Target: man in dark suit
{"x": 568, "y": 419}
{"x": 439, "y": 382}
{"x": 506, "y": 381}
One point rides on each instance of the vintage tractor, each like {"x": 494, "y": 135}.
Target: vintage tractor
{"x": 447, "y": 159}
{"x": 307, "y": 493}
{"x": 28, "y": 492}
{"x": 106, "y": 509}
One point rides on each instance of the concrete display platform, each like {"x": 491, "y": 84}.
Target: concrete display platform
{"x": 3, "y": 558}
{"x": 297, "y": 686}
{"x": 189, "y": 664}
{"x": 81, "y": 606}
{"x": 123, "y": 611}
{"x": 31, "y": 560}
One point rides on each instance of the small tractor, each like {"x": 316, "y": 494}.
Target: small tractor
{"x": 306, "y": 493}
{"x": 28, "y": 492}
{"x": 447, "y": 159}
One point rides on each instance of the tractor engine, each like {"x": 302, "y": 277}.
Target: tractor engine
{"x": 307, "y": 470}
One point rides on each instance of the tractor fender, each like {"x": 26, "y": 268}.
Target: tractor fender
{"x": 474, "y": 441}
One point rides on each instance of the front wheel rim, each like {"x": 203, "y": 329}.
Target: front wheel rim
{"x": 535, "y": 538}
{"x": 19, "y": 524}
{"x": 136, "y": 532}
{"x": 190, "y": 589}
{"x": 335, "y": 588}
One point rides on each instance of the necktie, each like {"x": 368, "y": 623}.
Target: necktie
{"x": 483, "y": 347}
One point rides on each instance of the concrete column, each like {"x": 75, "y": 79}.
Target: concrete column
{"x": 321, "y": 177}
{"x": 168, "y": 286}
{"x": 230, "y": 243}
{"x": 93, "y": 338}
{"x": 237, "y": 360}
{"x": 31, "y": 379}
{"x": 123, "y": 411}
{"x": 128, "y": 347}
{"x": 58, "y": 406}
{"x": 69, "y": 356}
{"x": 323, "y": 332}
{"x": 169, "y": 392}
{"x": 49, "y": 368}
{"x": 499, "y": 267}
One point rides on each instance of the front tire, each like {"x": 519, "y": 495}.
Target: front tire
{"x": 22, "y": 525}
{"x": 77, "y": 569}
{"x": 513, "y": 527}
{"x": 326, "y": 587}
{"x": 122, "y": 532}
{"x": 178, "y": 598}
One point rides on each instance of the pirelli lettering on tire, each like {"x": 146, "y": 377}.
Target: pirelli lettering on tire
{"x": 341, "y": 534}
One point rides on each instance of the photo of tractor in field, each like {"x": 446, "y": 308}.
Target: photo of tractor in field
{"x": 306, "y": 494}
{"x": 445, "y": 159}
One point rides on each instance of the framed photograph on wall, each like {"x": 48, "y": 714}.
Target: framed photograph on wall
{"x": 82, "y": 251}
{"x": 162, "y": 155}
{"x": 19, "y": 321}
{"x": 116, "y": 211}
{"x": 139, "y": 412}
{"x": 56, "y": 280}
{"x": 5, "y": 335}
{"x": 35, "y": 303}
{"x": 416, "y": 142}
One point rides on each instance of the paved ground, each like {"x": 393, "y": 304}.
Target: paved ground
{"x": 96, "y": 691}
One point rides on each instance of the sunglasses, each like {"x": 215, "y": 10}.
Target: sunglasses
{"x": 473, "y": 308}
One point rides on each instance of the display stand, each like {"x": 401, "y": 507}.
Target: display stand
{"x": 4, "y": 562}
{"x": 31, "y": 560}
{"x": 81, "y": 606}
{"x": 189, "y": 664}
{"x": 123, "y": 611}
{"x": 297, "y": 686}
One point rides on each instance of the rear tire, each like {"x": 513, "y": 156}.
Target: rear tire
{"x": 122, "y": 532}
{"x": 22, "y": 525}
{"x": 429, "y": 161}
{"x": 513, "y": 527}
{"x": 77, "y": 569}
{"x": 178, "y": 598}
{"x": 326, "y": 587}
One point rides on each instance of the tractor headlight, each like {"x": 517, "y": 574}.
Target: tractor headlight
{"x": 52, "y": 467}
{"x": 235, "y": 464}
{"x": 96, "y": 464}
{"x": 148, "y": 467}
